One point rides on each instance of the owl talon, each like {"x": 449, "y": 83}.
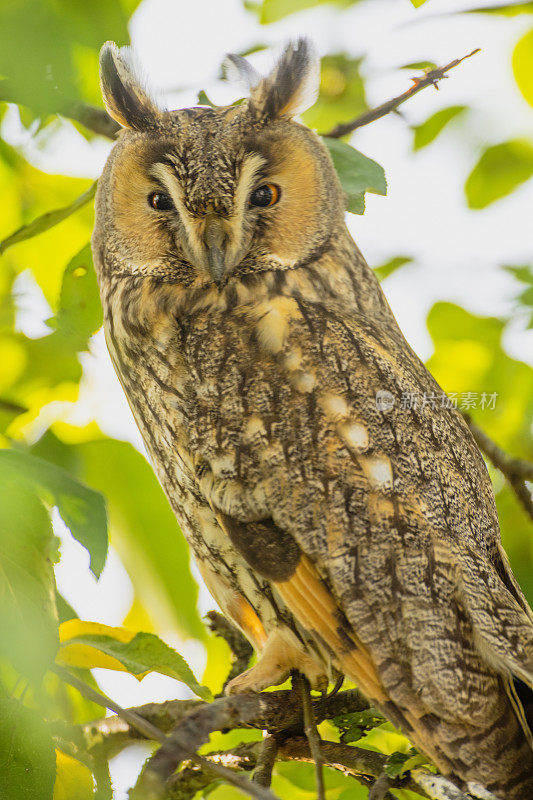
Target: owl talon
{"x": 282, "y": 653}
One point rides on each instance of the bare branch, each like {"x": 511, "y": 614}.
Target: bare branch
{"x": 265, "y": 760}
{"x": 517, "y": 471}
{"x": 272, "y": 711}
{"x": 94, "y": 119}
{"x": 149, "y": 787}
{"x": 47, "y": 220}
{"x": 240, "y": 647}
{"x": 380, "y": 788}
{"x": 431, "y": 78}
{"x": 312, "y": 735}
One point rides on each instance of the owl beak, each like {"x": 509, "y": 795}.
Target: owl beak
{"x": 214, "y": 238}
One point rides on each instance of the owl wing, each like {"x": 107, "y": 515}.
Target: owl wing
{"x": 377, "y": 526}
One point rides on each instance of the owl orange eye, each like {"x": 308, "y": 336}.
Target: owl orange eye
{"x": 266, "y": 195}
{"x": 160, "y": 201}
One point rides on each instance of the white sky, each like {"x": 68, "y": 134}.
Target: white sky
{"x": 458, "y": 252}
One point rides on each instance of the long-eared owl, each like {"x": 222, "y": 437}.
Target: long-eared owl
{"x": 251, "y": 338}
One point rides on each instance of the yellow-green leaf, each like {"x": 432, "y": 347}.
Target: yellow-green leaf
{"x": 27, "y": 759}
{"x": 503, "y": 9}
{"x": 498, "y": 172}
{"x": 28, "y": 548}
{"x": 89, "y": 644}
{"x": 388, "y": 267}
{"x": 47, "y": 220}
{"x": 428, "y": 131}
{"x": 73, "y": 779}
{"x": 523, "y": 65}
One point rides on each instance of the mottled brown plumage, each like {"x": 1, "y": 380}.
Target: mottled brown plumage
{"x": 251, "y": 342}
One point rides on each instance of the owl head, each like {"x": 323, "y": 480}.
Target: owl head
{"x": 200, "y": 195}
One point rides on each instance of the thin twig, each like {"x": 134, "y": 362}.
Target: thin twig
{"x": 312, "y": 734}
{"x": 152, "y": 788}
{"x": 47, "y": 220}
{"x": 431, "y": 78}
{"x": 242, "y": 650}
{"x": 380, "y": 788}
{"x": 265, "y": 760}
{"x": 94, "y": 119}
{"x": 517, "y": 471}
{"x": 130, "y": 716}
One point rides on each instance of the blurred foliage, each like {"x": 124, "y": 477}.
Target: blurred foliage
{"x": 524, "y": 274}
{"x": 523, "y": 65}
{"x": 274, "y": 10}
{"x": 341, "y": 93}
{"x": 429, "y": 130}
{"x": 499, "y": 171}
{"x": 47, "y": 78}
{"x": 103, "y": 487}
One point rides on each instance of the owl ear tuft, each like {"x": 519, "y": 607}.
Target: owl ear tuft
{"x": 292, "y": 86}
{"x": 125, "y": 96}
{"x": 236, "y": 68}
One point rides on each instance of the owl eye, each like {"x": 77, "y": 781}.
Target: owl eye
{"x": 266, "y": 195}
{"x": 160, "y": 201}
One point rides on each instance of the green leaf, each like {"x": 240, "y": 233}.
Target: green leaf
{"x": 498, "y": 172}
{"x": 303, "y": 776}
{"x": 424, "y": 65}
{"x": 143, "y": 528}
{"x": 82, "y": 509}
{"x": 355, "y": 725}
{"x": 396, "y": 764}
{"x": 390, "y": 266}
{"x": 524, "y": 274}
{"x": 523, "y": 65}
{"x": 27, "y": 756}
{"x": 56, "y": 44}
{"x": 203, "y": 99}
{"x": 357, "y": 173}
{"x": 428, "y": 131}
{"x": 47, "y": 220}
{"x": 503, "y": 9}
{"x": 80, "y": 311}
{"x": 274, "y": 10}
{"x": 143, "y": 653}
{"x": 28, "y": 549}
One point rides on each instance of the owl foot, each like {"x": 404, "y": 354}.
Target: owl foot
{"x": 282, "y": 653}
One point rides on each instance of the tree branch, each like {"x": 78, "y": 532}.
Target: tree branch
{"x": 94, "y": 119}
{"x": 150, "y": 787}
{"x": 517, "y": 471}
{"x": 240, "y": 647}
{"x": 278, "y": 712}
{"x": 312, "y": 735}
{"x": 273, "y": 711}
{"x": 431, "y": 78}
{"x": 265, "y": 760}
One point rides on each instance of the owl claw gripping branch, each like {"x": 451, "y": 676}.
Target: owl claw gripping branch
{"x": 251, "y": 337}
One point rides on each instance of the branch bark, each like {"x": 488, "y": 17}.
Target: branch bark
{"x": 517, "y": 471}
{"x": 431, "y": 78}
{"x": 279, "y": 713}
